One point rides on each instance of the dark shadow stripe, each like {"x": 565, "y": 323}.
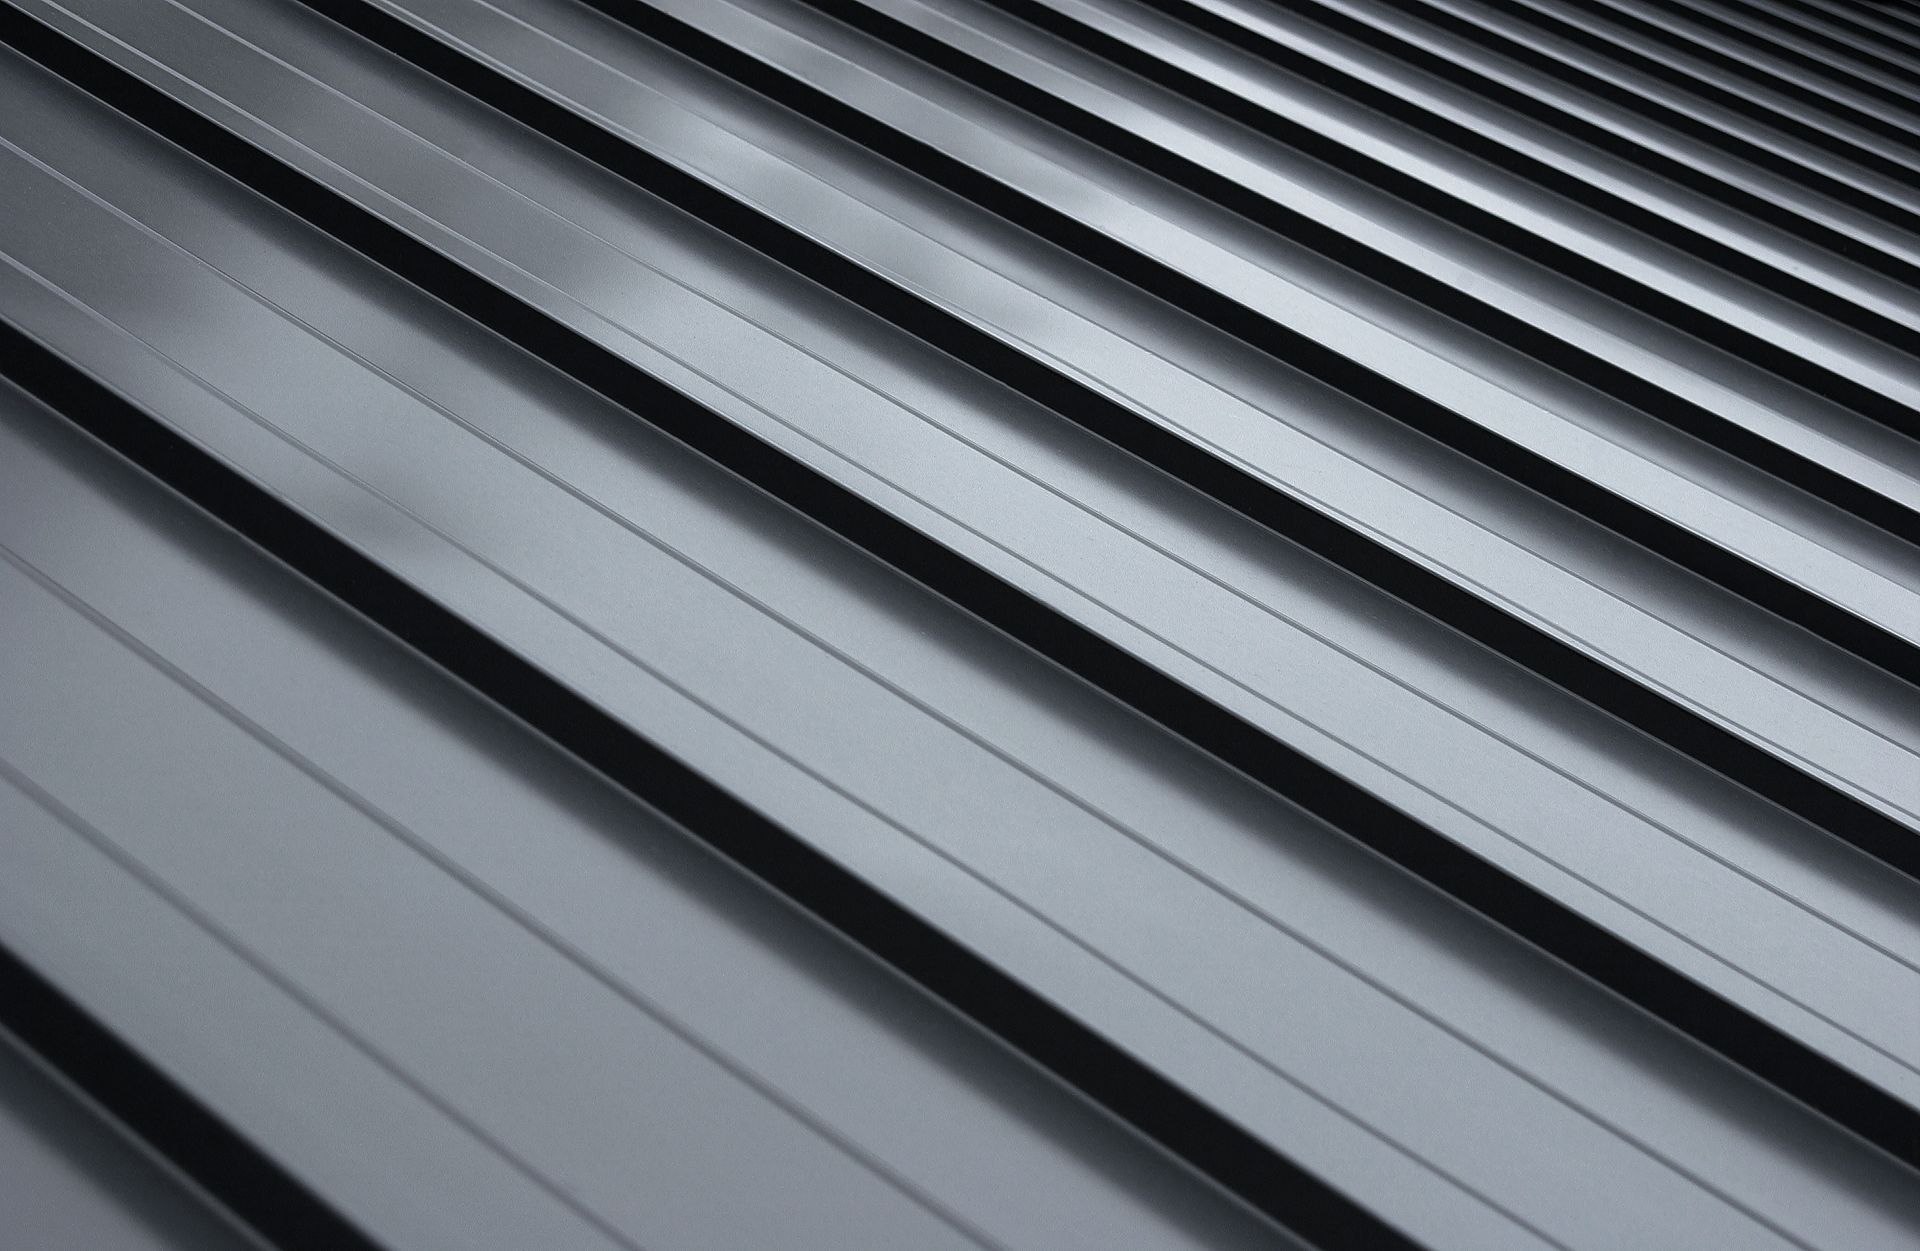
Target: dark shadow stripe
{"x": 1692, "y": 49}
{"x": 1895, "y": 14}
{"x": 1854, "y": 24}
{"x": 1770, "y": 43}
{"x": 1031, "y": 1024}
{"x": 1630, "y": 387}
{"x": 1842, "y": 34}
{"x": 1386, "y": 44}
{"x": 1586, "y": 77}
{"x": 248, "y": 1184}
{"x": 1840, "y": 814}
{"x": 1683, "y": 318}
{"x": 1133, "y": 1091}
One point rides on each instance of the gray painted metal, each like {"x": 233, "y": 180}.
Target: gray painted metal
{"x": 732, "y": 623}
{"x": 71, "y": 1179}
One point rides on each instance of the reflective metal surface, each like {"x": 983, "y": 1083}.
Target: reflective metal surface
{"x": 735, "y": 623}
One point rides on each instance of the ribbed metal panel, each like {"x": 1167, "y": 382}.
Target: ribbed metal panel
{"x": 1020, "y": 623}
{"x": 68, "y": 1180}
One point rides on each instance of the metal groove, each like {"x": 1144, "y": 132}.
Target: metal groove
{"x": 1683, "y": 316}
{"x": 1509, "y": 327}
{"x": 1315, "y": 357}
{"x": 1027, "y": 1021}
{"x": 1513, "y": 637}
{"x": 1811, "y": 163}
{"x": 1753, "y": 75}
{"x": 1602, "y": 956}
{"x": 1698, "y": 174}
{"x": 166, "y": 1117}
{"x": 1140, "y": 518}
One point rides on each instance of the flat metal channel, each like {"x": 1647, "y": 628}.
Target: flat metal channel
{"x": 960, "y": 623}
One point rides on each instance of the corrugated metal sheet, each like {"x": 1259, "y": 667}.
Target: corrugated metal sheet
{"x": 67, "y": 1179}
{"x": 905, "y": 623}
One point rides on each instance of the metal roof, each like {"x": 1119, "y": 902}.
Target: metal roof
{"x": 920, "y": 623}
